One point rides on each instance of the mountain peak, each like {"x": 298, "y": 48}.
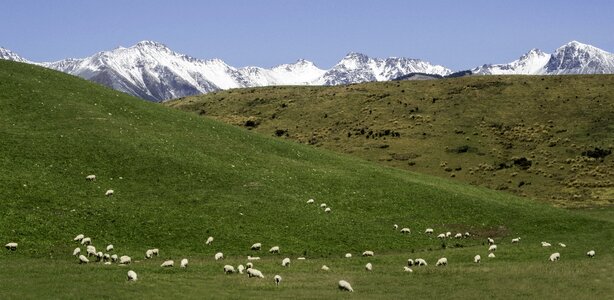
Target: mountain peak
{"x": 151, "y": 44}
{"x": 10, "y": 55}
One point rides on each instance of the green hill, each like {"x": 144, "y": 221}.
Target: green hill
{"x": 179, "y": 178}
{"x": 544, "y": 137}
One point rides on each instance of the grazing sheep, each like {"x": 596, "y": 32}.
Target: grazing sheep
{"x": 114, "y": 258}
{"x": 155, "y": 251}
{"x": 325, "y": 268}
{"x": 277, "y": 279}
{"x": 345, "y": 286}
{"x": 467, "y": 234}
{"x": 83, "y": 259}
{"x": 228, "y": 269}
{"x": 516, "y": 240}
{"x": 458, "y": 235}
{"x": 132, "y": 276}
{"x": 442, "y": 262}
{"x": 110, "y": 248}
{"x": 285, "y": 262}
{"x": 249, "y": 265}
{"x": 109, "y": 193}
{"x": 562, "y": 245}
{"x": 148, "y": 254}
{"x": 348, "y": 255}
{"x": 91, "y": 251}
{"x": 441, "y": 236}
{"x": 492, "y": 248}
{"x": 167, "y": 263}
{"x": 86, "y": 241}
{"x": 99, "y": 256}
{"x": 209, "y": 240}
{"x": 124, "y": 260}
{"x": 367, "y": 253}
{"x": 410, "y": 262}
{"x": 76, "y": 252}
{"x": 491, "y": 255}
{"x": 184, "y": 263}
{"x": 408, "y": 269}
{"x": 420, "y": 262}
{"x": 256, "y": 246}
{"x": 429, "y": 231}
{"x": 219, "y": 256}
{"x": 405, "y": 230}
{"x": 369, "y": 267}
{"x": 591, "y": 253}
{"x": 555, "y": 256}
{"x": 253, "y": 257}
{"x": 251, "y": 272}
{"x": 106, "y": 257}
{"x": 395, "y": 226}
{"x": 477, "y": 259}
{"x": 327, "y": 210}
{"x": 274, "y": 249}
{"x": 310, "y": 201}
{"x": 323, "y": 205}
{"x": 491, "y": 241}
{"x": 79, "y": 237}
{"x": 241, "y": 268}
{"x": 448, "y": 234}
{"x": 90, "y": 177}
{"x": 546, "y": 244}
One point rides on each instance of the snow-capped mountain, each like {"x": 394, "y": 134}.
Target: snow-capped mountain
{"x": 10, "y": 55}
{"x": 571, "y": 58}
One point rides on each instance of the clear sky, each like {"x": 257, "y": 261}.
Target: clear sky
{"x": 457, "y": 34}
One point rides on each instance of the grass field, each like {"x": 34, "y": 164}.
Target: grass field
{"x": 526, "y": 135}
{"x": 179, "y": 178}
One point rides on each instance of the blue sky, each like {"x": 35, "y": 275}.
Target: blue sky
{"x": 457, "y": 34}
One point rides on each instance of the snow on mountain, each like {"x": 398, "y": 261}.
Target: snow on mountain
{"x": 301, "y": 72}
{"x": 531, "y": 63}
{"x": 10, "y": 55}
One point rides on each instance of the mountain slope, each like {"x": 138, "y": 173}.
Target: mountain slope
{"x": 10, "y": 55}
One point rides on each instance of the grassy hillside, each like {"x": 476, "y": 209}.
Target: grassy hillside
{"x": 532, "y": 136}
{"x": 179, "y": 178}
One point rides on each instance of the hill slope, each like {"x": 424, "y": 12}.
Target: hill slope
{"x": 531, "y": 136}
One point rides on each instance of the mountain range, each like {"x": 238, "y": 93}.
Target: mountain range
{"x": 152, "y": 71}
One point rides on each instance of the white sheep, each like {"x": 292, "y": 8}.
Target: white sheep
{"x": 228, "y": 269}
{"x": 420, "y": 262}
{"x": 167, "y": 264}
{"x": 241, "y": 268}
{"x": 274, "y": 249}
{"x": 256, "y": 246}
{"x": 562, "y": 245}
{"x": 79, "y": 237}
{"x": 99, "y": 256}
{"x": 458, "y": 235}
{"x": 209, "y": 240}
{"x": 83, "y": 259}
{"x": 467, "y": 234}
{"x": 91, "y": 251}
{"x": 492, "y": 248}
{"x": 109, "y": 193}
{"x": 325, "y": 268}
{"x": 410, "y": 262}
{"x": 408, "y": 269}
{"x": 491, "y": 255}
{"x": 155, "y": 251}
{"x": 323, "y": 205}
{"x": 405, "y": 230}
{"x": 76, "y": 252}
{"x": 253, "y": 257}
{"x": 132, "y": 276}
{"x": 251, "y": 272}
{"x": 327, "y": 210}
{"x": 90, "y": 177}
{"x": 106, "y": 257}
{"x": 277, "y": 279}
{"x": 546, "y": 244}
{"x": 555, "y": 256}
{"x": 448, "y": 234}
{"x": 310, "y": 201}
{"x": 368, "y": 253}
{"x": 429, "y": 231}
{"x": 285, "y": 262}
{"x": 219, "y": 256}
{"x": 491, "y": 241}
{"x": 369, "y": 267}
{"x": 441, "y": 236}
{"x": 148, "y": 254}
{"x": 345, "y": 286}
{"x": 184, "y": 263}
{"x": 442, "y": 262}
{"x": 591, "y": 253}
{"x": 395, "y": 226}
{"x": 114, "y": 258}
{"x": 86, "y": 241}
{"x": 477, "y": 259}
{"x": 516, "y": 240}
{"x": 348, "y": 255}
{"x": 249, "y": 265}
{"x": 124, "y": 260}
{"x": 110, "y": 248}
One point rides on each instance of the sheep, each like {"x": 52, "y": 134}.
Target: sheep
{"x": 132, "y": 276}
{"x": 410, "y": 262}
{"x": 562, "y": 245}
{"x": 546, "y": 244}
{"x": 492, "y": 248}
{"x": 184, "y": 263}
{"x": 110, "y": 248}
{"x": 442, "y": 262}
{"x": 83, "y": 259}
{"x": 148, "y": 254}
{"x": 209, "y": 240}
{"x": 369, "y": 267}
{"x": 348, "y": 255}
{"x": 219, "y": 256}
{"x": 428, "y": 231}
{"x": 256, "y": 246}
{"x": 345, "y": 286}
{"x": 327, "y": 210}
{"x": 109, "y": 193}
{"x": 477, "y": 259}
{"x": 79, "y": 237}
{"x": 555, "y": 256}
{"x": 310, "y": 201}
{"x": 405, "y": 230}
{"x": 516, "y": 240}
{"x": 167, "y": 264}
{"x": 420, "y": 262}
{"x": 90, "y": 177}
{"x": 114, "y": 258}
{"x": 448, "y": 234}
{"x": 467, "y": 234}
{"x": 458, "y": 235}
{"x": 408, "y": 269}
{"x": 441, "y": 236}
{"x": 591, "y": 253}
{"x": 155, "y": 251}
{"x": 228, "y": 269}
{"x": 99, "y": 256}
{"x": 76, "y": 252}
{"x": 106, "y": 257}
{"x": 241, "y": 268}
{"x": 285, "y": 262}
{"x": 124, "y": 260}
{"x": 253, "y": 257}
{"x": 490, "y": 241}
{"x": 325, "y": 268}
{"x": 249, "y": 265}
{"x": 395, "y": 227}
{"x": 368, "y": 253}
{"x": 323, "y": 205}
{"x": 91, "y": 251}
{"x": 86, "y": 241}
{"x": 251, "y": 272}
{"x": 274, "y": 249}
{"x": 491, "y": 255}
{"x": 277, "y": 279}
